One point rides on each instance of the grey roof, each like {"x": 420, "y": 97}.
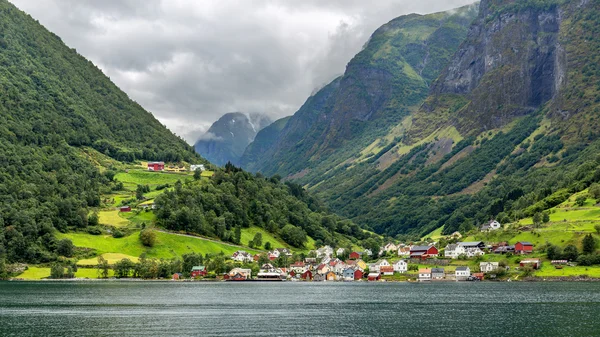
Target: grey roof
{"x": 451, "y": 246}
{"x": 470, "y": 244}
{"x": 462, "y": 268}
{"x": 527, "y": 243}
{"x": 437, "y": 270}
{"x": 415, "y": 248}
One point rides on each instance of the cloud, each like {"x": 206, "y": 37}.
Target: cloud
{"x": 189, "y": 62}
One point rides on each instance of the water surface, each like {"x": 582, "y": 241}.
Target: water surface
{"x": 298, "y": 309}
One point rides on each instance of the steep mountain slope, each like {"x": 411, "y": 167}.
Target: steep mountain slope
{"x": 226, "y": 140}
{"x": 381, "y": 85}
{"x": 265, "y": 139}
{"x": 508, "y": 130}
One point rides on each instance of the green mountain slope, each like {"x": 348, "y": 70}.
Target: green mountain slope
{"x": 509, "y": 129}
{"x": 381, "y": 85}
{"x": 73, "y": 144}
{"x": 265, "y": 139}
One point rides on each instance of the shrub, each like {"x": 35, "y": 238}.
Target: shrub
{"x": 148, "y": 237}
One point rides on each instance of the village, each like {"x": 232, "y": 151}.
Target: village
{"x": 460, "y": 261}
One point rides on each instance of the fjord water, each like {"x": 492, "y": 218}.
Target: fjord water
{"x": 298, "y": 309}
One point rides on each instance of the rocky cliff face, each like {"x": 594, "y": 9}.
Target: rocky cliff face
{"x": 228, "y": 137}
{"x": 511, "y": 63}
{"x": 381, "y": 83}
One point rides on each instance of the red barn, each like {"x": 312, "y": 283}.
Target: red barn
{"x": 358, "y": 274}
{"x": 198, "y": 271}
{"x": 125, "y": 209}
{"x": 156, "y": 166}
{"x": 423, "y": 252}
{"x": 354, "y": 256}
{"x": 523, "y": 247}
{"x": 307, "y": 275}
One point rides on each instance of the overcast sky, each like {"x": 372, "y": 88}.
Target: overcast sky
{"x": 191, "y": 61}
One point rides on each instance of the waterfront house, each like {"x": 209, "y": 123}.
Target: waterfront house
{"x": 245, "y": 273}
{"x": 491, "y": 226}
{"x": 478, "y": 276}
{"x": 488, "y": 267}
{"x": 319, "y": 277}
{"x": 323, "y": 268}
{"x": 331, "y": 276}
{"x": 354, "y": 256}
{"x": 358, "y": 274}
{"x": 400, "y": 266}
{"x": 437, "y": 273}
{"x": 386, "y": 270}
{"x": 534, "y": 263}
{"x": 374, "y": 277}
{"x": 374, "y": 268}
{"x": 361, "y": 264}
{"x": 198, "y": 271}
{"x": 462, "y": 273}
{"x": 424, "y": 274}
{"x": 298, "y": 267}
{"x": 423, "y": 252}
{"x": 242, "y": 256}
{"x": 523, "y": 247}
{"x": 348, "y": 274}
{"x": 307, "y": 275}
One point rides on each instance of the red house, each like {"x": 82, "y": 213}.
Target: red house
{"x": 307, "y": 275}
{"x": 198, "y": 271}
{"x": 125, "y": 209}
{"x": 354, "y": 256}
{"x": 374, "y": 277}
{"x": 293, "y": 273}
{"x": 423, "y": 252}
{"x": 523, "y": 247}
{"x": 358, "y": 275}
{"x": 156, "y": 166}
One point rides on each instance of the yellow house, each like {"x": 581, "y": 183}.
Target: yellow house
{"x": 361, "y": 264}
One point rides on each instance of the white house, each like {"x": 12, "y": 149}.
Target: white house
{"x": 284, "y": 251}
{"x": 340, "y": 251}
{"x": 453, "y": 251}
{"x": 197, "y": 167}
{"x": 324, "y": 251}
{"x": 247, "y": 273}
{"x": 400, "y": 266}
{"x": 374, "y": 268}
{"x": 404, "y": 251}
{"x": 487, "y": 267}
{"x": 473, "y": 252}
{"x": 472, "y": 249}
{"x": 390, "y": 247}
{"x": 491, "y": 226}
{"x": 242, "y": 256}
{"x": 462, "y": 273}
{"x": 368, "y": 252}
{"x": 424, "y": 274}
{"x": 298, "y": 267}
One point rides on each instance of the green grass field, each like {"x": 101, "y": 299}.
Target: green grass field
{"x": 152, "y": 179}
{"x": 110, "y": 257}
{"x": 167, "y": 245}
{"x": 248, "y": 234}
{"x": 112, "y": 218}
{"x": 435, "y": 234}
{"x": 36, "y": 273}
{"x": 549, "y": 270}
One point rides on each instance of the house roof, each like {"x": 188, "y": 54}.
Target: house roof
{"x": 374, "y": 274}
{"x": 384, "y": 269}
{"x": 424, "y": 271}
{"x": 471, "y": 243}
{"x": 418, "y": 253}
{"x": 525, "y": 243}
{"x": 492, "y": 263}
{"x": 530, "y": 260}
{"x": 200, "y": 268}
{"x": 463, "y": 268}
{"x": 437, "y": 270}
{"x": 418, "y": 248}
{"x": 451, "y": 246}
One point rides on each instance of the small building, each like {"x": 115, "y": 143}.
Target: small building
{"x": 523, "y": 247}
{"x": 438, "y": 273}
{"x": 424, "y": 274}
{"x": 307, "y": 275}
{"x": 197, "y": 167}
{"x": 423, "y": 252}
{"x": 156, "y": 166}
{"x": 386, "y": 270}
{"x": 462, "y": 273}
{"x": 310, "y": 260}
{"x": 245, "y": 273}
{"x": 340, "y": 251}
{"x": 319, "y": 278}
{"x": 354, "y": 256}
{"x": 478, "y": 276}
{"x": 453, "y": 251}
{"x": 298, "y": 267}
{"x": 125, "y": 209}
{"x": 361, "y": 264}
{"x": 284, "y": 251}
{"x": 534, "y": 263}
{"x": 404, "y": 251}
{"x": 504, "y": 249}
{"x": 330, "y": 276}
{"x": 491, "y": 225}
{"x": 390, "y": 247}
{"x": 488, "y": 267}
{"x": 199, "y": 271}
{"x": 374, "y": 277}
{"x": 348, "y": 274}
{"x": 176, "y": 276}
{"x": 242, "y": 256}
{"x": 358, "y": 275}
{"x": 400, "y": 266}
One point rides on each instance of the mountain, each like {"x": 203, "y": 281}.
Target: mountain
{"x": 506, "y": 128}
{"x": 226, "y": 140}
{"x": 381, "y": 85}
{"x": 264, "y": 140}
